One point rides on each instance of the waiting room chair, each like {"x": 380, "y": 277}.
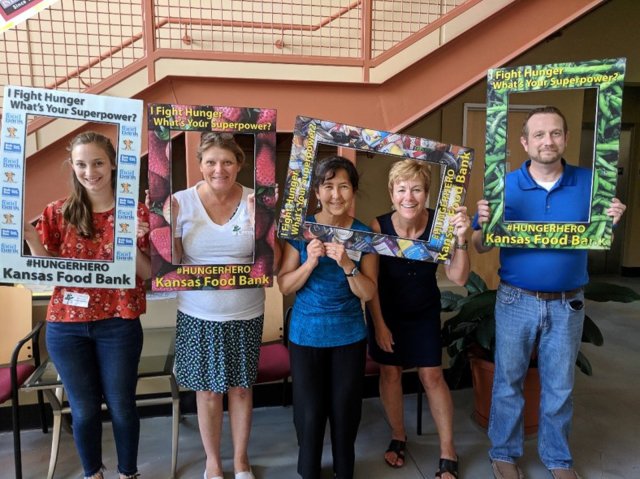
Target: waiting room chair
{"x": 19, "y": 356}
{"x": 274, "y": 364}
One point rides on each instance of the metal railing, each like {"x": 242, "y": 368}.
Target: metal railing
{"x": 89, "y": 45}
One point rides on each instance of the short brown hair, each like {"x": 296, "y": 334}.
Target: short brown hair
{"x": 225, "y": 141}
{"x": 544, "y": 109}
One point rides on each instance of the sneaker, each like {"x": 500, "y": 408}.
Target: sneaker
{"x": 506, "y": 470}
{"x": 564, "y": 474}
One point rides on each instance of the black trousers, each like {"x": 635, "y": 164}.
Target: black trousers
{"x": 327, "y": 384}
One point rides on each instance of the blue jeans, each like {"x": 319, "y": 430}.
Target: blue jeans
{"x": 99, "y": 361}
{"x": 555, "y": 326}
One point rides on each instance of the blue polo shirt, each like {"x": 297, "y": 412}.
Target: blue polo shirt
{"x": 325, "y": 312}
{"x": 546, "y": 269}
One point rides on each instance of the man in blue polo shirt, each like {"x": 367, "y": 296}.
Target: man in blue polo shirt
{"x": 540, "y": 300}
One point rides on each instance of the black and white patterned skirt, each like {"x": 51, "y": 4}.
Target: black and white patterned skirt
{"x": 215, "y": 356}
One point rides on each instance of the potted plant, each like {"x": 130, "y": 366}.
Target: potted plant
{"x": 469, "y": 337}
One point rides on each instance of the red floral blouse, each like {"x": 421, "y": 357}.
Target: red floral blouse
{"x": 63, "y": 241}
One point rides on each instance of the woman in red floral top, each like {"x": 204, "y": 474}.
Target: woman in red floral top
{"x": 94, "y": 336}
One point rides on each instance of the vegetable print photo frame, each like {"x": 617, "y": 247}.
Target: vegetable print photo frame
{"x": 456, "y": 163}
{"x": 606, "y": 76}
{"x": 259, "y": 122}
{"x": 126, "y": 115}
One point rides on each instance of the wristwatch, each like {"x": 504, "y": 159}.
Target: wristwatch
{"x": 354, "y": 272}
{"x": 461, "y": 246}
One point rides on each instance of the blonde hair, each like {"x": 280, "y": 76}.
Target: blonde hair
{"x": 410, "y": 170}
{"x": 225, "y": 141}
{"x": 76, "y": 209}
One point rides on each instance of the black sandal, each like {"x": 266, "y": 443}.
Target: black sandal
{"x": 397, "y": 447}
{"x": 447, "y": 465}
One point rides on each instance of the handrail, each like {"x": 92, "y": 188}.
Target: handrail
{"x": 363, "y": 56}
{"x": 262, "y": 25}
{"x": 203, "y": 21}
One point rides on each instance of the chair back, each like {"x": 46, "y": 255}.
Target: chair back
{"x": 16, "y": 321}
{"x": 273, "y": 314}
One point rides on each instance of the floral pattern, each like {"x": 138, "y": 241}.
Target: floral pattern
{"x": 217, "y": 355}
{"x": 63, "y": 241}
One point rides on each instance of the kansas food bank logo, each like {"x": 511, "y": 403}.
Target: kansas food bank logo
{"x": 12, "y": 147}
{"x": 8, "y": 233}
{"x": 126, "y": 202}
{"x": 13, "y": 117}
{"x": 124, "y": 242}
{"x": 8, "y": 191}
{"x": 128, "y": 159}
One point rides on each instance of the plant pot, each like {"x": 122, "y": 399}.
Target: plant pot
{"x": 482, "y": 373}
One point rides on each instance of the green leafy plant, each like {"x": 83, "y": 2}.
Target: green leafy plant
{"x": 472, "y": 330}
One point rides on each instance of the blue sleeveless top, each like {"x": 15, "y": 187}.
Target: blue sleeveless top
{"x": 325, "y": 312}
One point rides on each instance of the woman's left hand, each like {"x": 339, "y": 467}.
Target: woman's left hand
{"x": 338, "y": 253}
{"x": 461, "y": 224}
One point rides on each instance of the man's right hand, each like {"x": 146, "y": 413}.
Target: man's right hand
{"x": 484, "y": 211}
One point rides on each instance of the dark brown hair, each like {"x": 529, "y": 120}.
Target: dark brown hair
{"x": 326, "y": 169}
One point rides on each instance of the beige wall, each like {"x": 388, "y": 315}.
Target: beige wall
{"x": 580, "y": 41}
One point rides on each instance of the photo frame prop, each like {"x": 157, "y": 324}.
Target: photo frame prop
{"x": 606, "y": 76}
{"x": 163, "y": 119}
{"x": 126, "y": 115}
{"x": 455, "y": 161}
{"x": 13, "y": 12}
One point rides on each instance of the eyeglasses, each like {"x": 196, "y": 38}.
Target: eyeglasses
{"x": 215, "y": 135}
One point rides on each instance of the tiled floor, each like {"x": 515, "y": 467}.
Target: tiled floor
{"x": 605, "y": 436}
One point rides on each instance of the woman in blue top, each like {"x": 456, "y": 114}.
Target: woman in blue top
{"x": 327, "y": 332}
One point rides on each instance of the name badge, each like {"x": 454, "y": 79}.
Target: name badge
{"x": 76, "y": 299}
{"x": 354, "y": 255}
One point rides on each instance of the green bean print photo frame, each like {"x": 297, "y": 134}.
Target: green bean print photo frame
{"x": 606, "y": 76}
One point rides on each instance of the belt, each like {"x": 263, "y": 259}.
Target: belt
{"x": 547, "y": 296}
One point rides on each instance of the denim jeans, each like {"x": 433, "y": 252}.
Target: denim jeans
{"x": 555, "y": 326}
{"x": 99, "y": 361}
